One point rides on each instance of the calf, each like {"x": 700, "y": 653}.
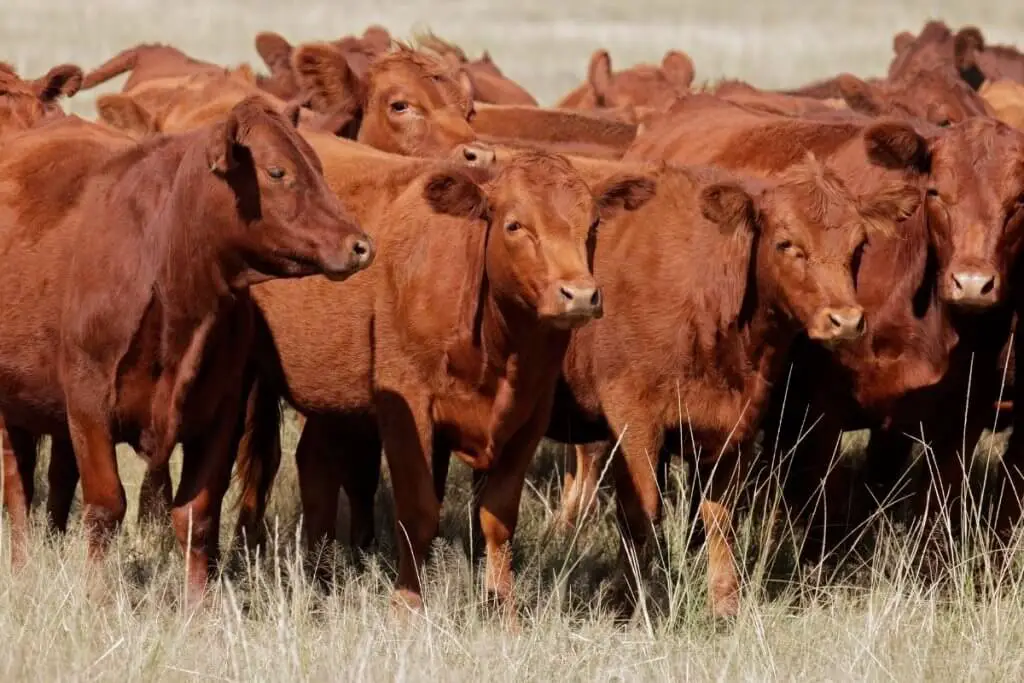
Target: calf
{"x": 707, "y": 288}
{"x": 150, "y": 344}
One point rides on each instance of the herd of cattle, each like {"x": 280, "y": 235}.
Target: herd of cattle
{"x": 678, "y": 268}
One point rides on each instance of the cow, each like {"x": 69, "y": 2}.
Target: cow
{"x": 640, "y": 85}
{"x": 410, "y": 102}
{"x": 488, "y": 83}
{"x": 153, "y": 61}
{"x": 27, "y": 103}
{"x": 149, "y": 345}
{"x": 956, "y": 257}
{"x": 486, "y": 328}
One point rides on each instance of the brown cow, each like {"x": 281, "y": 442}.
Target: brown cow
{"x": 489, "y": 84}
{"x": 150, "y": 343}
{"x": 24, "y": 104}
{"x": 151, "y": 61}
{"x": 410, "y": 102}
{"x": 640, "y": 85}
{"x": 514, "y": 253}
{"x": 918, "y": 364}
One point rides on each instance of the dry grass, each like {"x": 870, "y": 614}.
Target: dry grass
{"x": 873, "y": 620}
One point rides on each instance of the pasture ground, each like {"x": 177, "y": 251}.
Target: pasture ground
{"x": 873, "y": 620}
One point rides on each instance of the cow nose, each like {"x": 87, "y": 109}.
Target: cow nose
{"x": 838, "y": 324}
{"x": 358, "y": 253}
{"x": 580, "y": 301}
{"x": 974, "y": 288}
{"x": 475, "y": 154}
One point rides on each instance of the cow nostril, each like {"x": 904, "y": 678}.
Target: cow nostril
{"x": 957, "y": 282}
{"x": 595, "y": 298}
{"x": 469, "y": 154}
{"x": 361, "y": 248}
{"x": 860, "y": 323}
{"x": 566, "y": 293}
{"x": 988, "y": 286}
{"x": 836, "y": 322}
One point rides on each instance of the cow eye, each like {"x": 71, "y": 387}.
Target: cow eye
{"x": 595, "y": 224}
{"x": 513, "y": 226}
{"x": 276, "y": 172}
{"x": 932, "y": 192}
{"x": 399, "y": 107}
{"x": 471, "y": 115}
{"x": 784, "y": 245}
{"x": 945, "y": 123}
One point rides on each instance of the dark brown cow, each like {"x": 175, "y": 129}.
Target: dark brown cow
{"x": 150, "y": 344}
{"x": 640, "y": 85}
{"x": 410, "y": 103}
{"x": 25, "y": 104}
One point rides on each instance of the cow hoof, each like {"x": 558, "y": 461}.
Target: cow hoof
{"x": 404, "y": 601}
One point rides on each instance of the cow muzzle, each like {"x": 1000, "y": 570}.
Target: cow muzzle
{"x": 838, "y": 324}
{"x": 357, "y": 253}
{"x": 571, "y": 304}
{"x": 975, "y": 288}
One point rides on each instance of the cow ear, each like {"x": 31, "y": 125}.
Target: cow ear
{"x": 678, "y": 68}
{"x": 223, "y": 146}
{"x": 967, "y": 45}
{"x": 455, "y": 194}
{"x": 123, "y": 112}
{"x": 901, "y": 41}
{"x": 728, "y": 205}
{"x": 859, "y": 95}
{"x": 896, "y": 145}
{"x": 324, "y": 75}
{"x": 893, "y": 204}
{"x": 623, "y": 193}
{"x": 599, "y": 74}
{"x": 274, "y": 50}
{"x": 377, "y": 38}
{"x": 64, "y": 80}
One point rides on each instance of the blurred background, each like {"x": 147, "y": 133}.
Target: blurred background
{"x": 543, "y": 44}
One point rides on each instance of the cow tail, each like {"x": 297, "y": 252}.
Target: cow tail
{"x": 259, "y": 457}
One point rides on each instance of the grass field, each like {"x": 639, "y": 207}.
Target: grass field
{"x": 874, "y": 621}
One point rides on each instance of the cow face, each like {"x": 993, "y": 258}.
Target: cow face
{"x": 24, "y": 104}
{"x": 542, "y": 222}
{"x": 810, "y": 232}
{"x": 292, "y": 224}
{"x": 409, "y": 103}
{"x": 975, "y": 204}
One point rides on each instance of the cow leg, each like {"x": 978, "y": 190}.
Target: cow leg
{"x": 155, "y": 495}
{"x": 259, "y": 458}
{"x": 319, "y": 469}
{"x": 407, "y": 434}
{"x": 360, "y": 480}
{"x": 103, "y": 498}
{"x": 580, "y": 491}
{"x": 205, "y": 476}
{"x": 63, "y": 478}
{"x": 497, "y": 504}
{"x": 20, "y": 453}
{"x": 636, "y": 490}
{"x": 719, "y": 482}
{"x": 886, "y": 464}
{"x": 440, "y": 460}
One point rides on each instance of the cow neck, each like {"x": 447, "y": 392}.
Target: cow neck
{"x": 517, "y": 346}
{"x": 197, "y": 272}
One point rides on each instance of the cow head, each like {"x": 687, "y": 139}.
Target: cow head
{"x": 542, "y": 221}
{"x": 642, "y": 85}
{"x": 24, "y": 104}
{"x": 409, "y": 102}
{"x": 809, "y": 233}
{"x": 975, "y": 203}
{"x": 291, "y": 223}
{"x": 933, "y": 96}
